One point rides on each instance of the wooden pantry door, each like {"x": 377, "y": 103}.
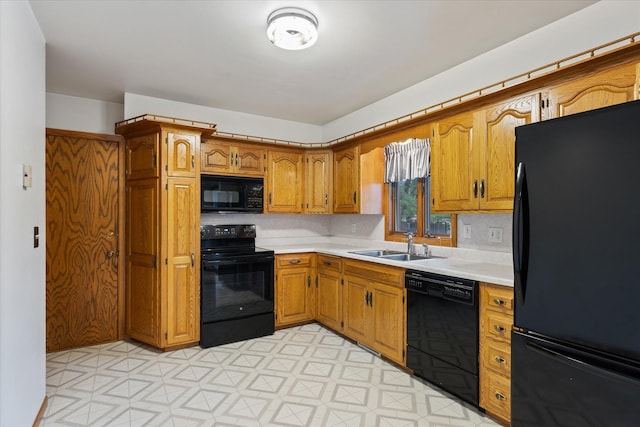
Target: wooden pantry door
{"x": 83, "y": 210}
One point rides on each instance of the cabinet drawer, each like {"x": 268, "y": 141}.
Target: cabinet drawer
{"x": 498, "y": 298}
{"x": 498, "y": 326}
{"x": 328, "y": 262}
{"x": 497, "y": 357}
{"x": 294, "y": 260}
{"x": 378, "y": 272}
{"x": 498, "y": 396}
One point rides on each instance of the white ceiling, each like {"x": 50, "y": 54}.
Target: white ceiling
{"x": 216, "y": 52}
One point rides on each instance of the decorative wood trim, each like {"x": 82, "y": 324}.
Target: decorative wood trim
{"x": 40, "y": 414}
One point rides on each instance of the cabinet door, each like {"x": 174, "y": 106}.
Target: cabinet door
{"x": 181, "y": 159}
{"x": 355, "y": 298}
{"x": 455, "y": 185}
{"x": 216, "y": 158}
{"x": 329, "y": 295}
{"x": 318, "y": 198}
{"x": 497, "y": 161}
{"x": 183, "y": 282}
{"x": 596, "y": 91}
{"x": 141, "y": 156}
{"x": 388, "y": 319}
{"x": 346, "y": 180}
{"x": 285, "y": 190}
{"x": 142, "y": 293}
{"x": 250, "y": 160}
{"x": 294, "y": 293}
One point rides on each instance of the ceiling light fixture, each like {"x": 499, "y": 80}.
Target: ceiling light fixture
{"x": 292, "y": 28}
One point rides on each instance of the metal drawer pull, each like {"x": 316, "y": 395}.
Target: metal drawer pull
{"x": 294, "y": 261}
{"x": 499, "y": 328}
{"x": 498, "y": 301}
{"x": 327, "y": 263}
{"x": 500, "y": 396}
{"x": 499, "y": 359}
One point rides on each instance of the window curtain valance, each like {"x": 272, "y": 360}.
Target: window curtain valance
{"x": 406, "y": 160}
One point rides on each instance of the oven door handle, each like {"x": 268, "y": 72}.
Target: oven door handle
{"x": 236, "y": 260}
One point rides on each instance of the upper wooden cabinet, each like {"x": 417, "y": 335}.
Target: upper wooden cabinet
{"x": 285, "y": 181}
{"x": 181, "y": 155}
{"x": 318, "y": 195}
{"x": 223, "y": 158}
{"x": 346, "y": 180}
{"x": 141, "y": 156}
{"x": 473, "y": 156}
{"x": 598, "y": 90}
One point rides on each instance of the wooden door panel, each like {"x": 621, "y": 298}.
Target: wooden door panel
{"x": 250, "y": 161}
{"x": 142, "y": 157}
{"x": 346, "y": 180}
{"x": 82, "y": 214}
{"x": 356, "y": 309}
{"x": 329, "y": 301}
{"x": 182, "y": 154}
{"x": 318, "y": 182}
{"x": 388, "y": 321}
{"x": 293, "y": 293}
{"x": 285, "y": 182}
{"x": 216, "y": 158}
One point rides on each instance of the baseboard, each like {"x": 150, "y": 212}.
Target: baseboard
{"x": 40, "y": 415}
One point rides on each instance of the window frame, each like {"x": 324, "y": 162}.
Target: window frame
{"x": 389, "y": 200}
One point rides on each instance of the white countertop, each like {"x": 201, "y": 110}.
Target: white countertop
{"x": 465, "y": 267}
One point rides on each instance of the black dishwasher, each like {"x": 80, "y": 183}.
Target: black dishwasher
{"x": 442, "y": 332}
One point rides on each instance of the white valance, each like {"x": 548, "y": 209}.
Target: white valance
{"x": 406, "y": 160}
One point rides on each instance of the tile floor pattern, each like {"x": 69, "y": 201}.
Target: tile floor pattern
{"x": 302, "y": 376}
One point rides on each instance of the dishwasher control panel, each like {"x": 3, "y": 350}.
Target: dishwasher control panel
{"x": 439, "y": 286}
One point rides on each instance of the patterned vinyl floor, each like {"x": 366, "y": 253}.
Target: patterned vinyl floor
{"x": 302, "y": 376}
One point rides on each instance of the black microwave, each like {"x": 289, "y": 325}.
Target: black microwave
{"x": 231, "y": 194}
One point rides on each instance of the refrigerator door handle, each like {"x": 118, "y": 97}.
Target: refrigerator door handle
{"x": 590, "y": 363}
{"x": 519, "y": 231}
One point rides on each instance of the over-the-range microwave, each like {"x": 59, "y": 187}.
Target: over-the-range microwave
{"x": 231, "y": 194}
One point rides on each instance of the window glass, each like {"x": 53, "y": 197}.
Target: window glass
{"x": 438, "y": 224}
{"x": 406, "y": 198}
{"x": 406, "y": 206}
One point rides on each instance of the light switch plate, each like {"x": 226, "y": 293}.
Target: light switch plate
{"x": 466, "y": 231}
{"x": 495, "y": 235}
{"x": 27, "y": 176}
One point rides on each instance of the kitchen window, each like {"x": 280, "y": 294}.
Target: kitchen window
{"x": 409, "y": 211}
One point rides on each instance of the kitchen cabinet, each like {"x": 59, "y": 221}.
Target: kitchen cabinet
{"x": 294, "y": 288}
{"x": 318, "y": 196}
{"x": 374, "y": 307}
{"x": 329, "y": 291}
{"x": 223, "y": 158}
{"x": 284, "y": 183}
{"x": 346, "y": 180}
{"x": 496, "y": 319}
{"x": 473, "y": 156}
{"x": 162, "y": 245}
{"x": 601, "y": 89}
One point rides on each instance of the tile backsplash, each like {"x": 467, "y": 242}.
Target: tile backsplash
{"x": 479, "y": 227}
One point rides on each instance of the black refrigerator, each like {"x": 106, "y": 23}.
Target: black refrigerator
{"x": 576, "y": 250}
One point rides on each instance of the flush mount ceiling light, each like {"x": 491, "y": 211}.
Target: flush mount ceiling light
{"x": 292, "y": 28}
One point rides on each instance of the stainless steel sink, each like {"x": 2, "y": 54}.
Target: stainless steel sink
{"x": 377, "y": 252}
{"x": 408, "y": 257}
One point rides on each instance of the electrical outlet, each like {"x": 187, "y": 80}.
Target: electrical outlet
{"x": 495, "y": 235}
{"x": 353, "y": 228}
{"x": 466, "y": 231}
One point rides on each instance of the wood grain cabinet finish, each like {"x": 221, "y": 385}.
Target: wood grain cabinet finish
{"x": 346, "y": 180}
{"x": 473, "y": 156}
{"x": 223, "y": 158}
{"x": 318, "y": 197}
{"x": 601, "y": 89}
{"x": 162, "y": 246}
{"x": 496, "y": 320}
{"x": 329, "y": 291}
{"x": 374, "y": 307}
{"x": 294, "y": 288}
{"x": 285, "y": 181}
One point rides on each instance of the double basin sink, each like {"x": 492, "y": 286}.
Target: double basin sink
{"x": 394, "y": 255}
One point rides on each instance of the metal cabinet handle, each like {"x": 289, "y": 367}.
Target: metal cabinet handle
{"x": 294, "y": 261}
{"x": 354, "y": 197}
{"x": 475, "y": 188}
{"x": 326, "y": 199}
{"x": 498, "y": 301}
{"x": 366, "y": 298}
{"x": 499, "y": 359}
{"x": 500, "y": 396}
{"x": 193, "y": 259}
{"x": 482, "y": 188}
{"x": 111, "y": 254}
{"x": 236, "y": 159}
{"x": 499, "y": 328}
{"x": 327, "y": 263}
{"x": 308, "y": 281}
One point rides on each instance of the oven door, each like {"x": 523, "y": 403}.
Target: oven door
{"x": 236, "y": 287}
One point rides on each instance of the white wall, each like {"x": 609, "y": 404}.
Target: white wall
{"x": 595, "y": 25}
{"x": 82, "y": 114}
{"x": 22, "y": 268}
{"x": 227, "y": 121}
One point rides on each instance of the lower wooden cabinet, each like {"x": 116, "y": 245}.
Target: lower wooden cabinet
{"x": 329, "y": 291}
{"x": 373, "y": 307}
{"x": 496, "y": 319}
{"x": 294, "y": 288}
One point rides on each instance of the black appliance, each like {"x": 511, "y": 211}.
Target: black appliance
{"x": 231, "y": 194}
{"x": 442, "y": 332}
{"x": 236, "y": 300}
{"x": 576, "y": 221}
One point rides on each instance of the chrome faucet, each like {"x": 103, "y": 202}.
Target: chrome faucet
{"x": 410, "y": 248}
